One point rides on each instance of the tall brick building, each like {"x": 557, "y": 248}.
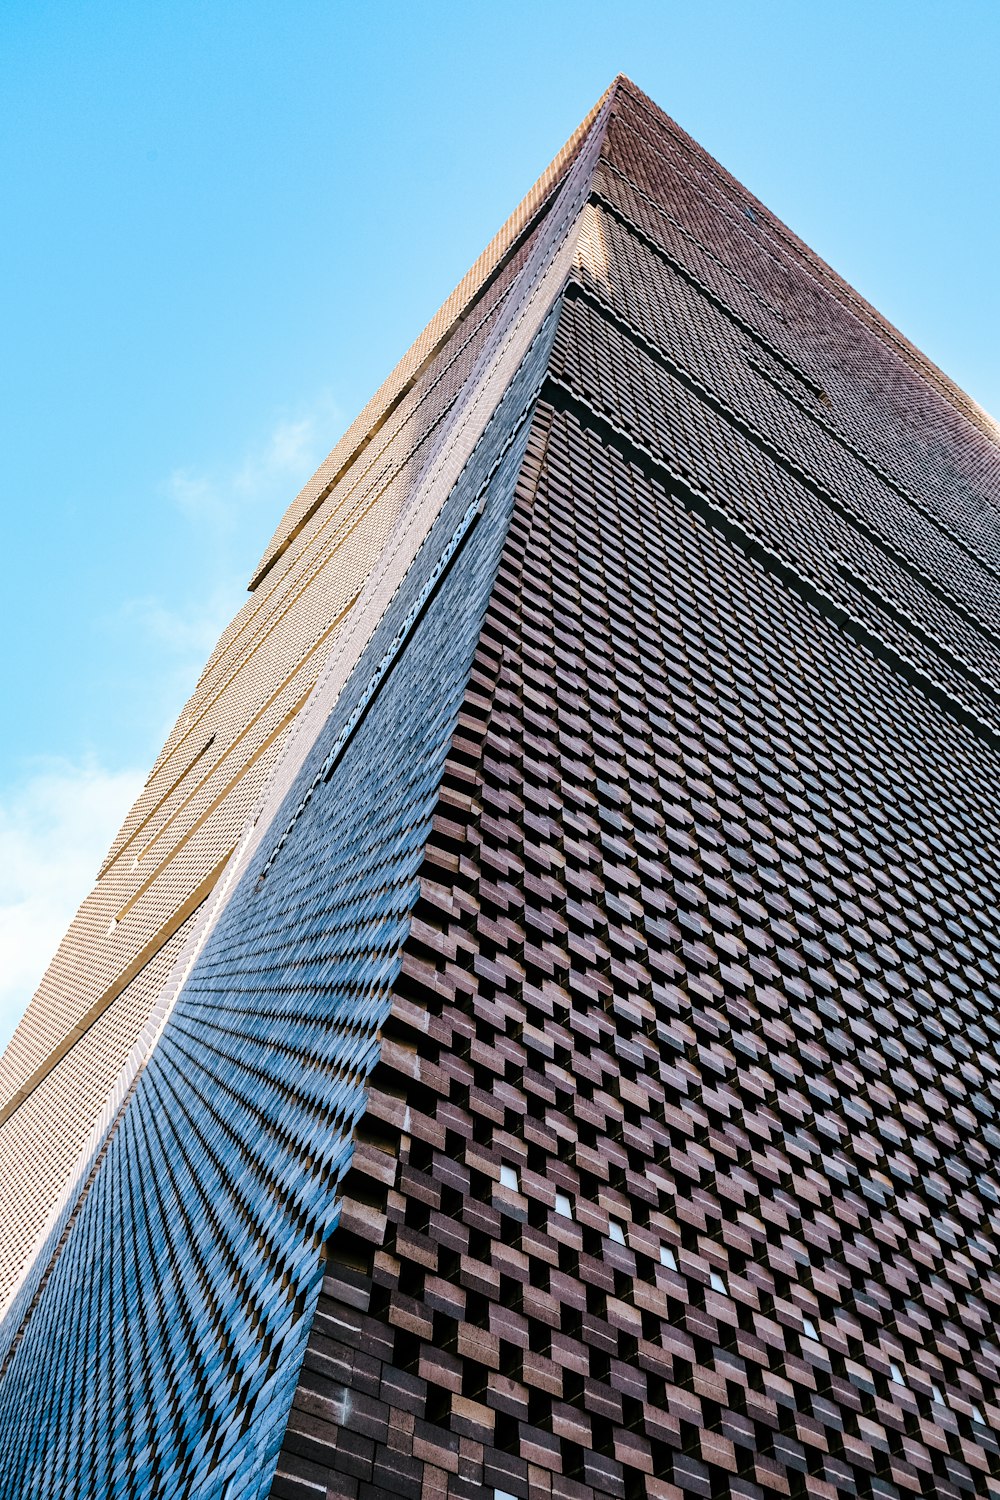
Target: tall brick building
{"x": 537, "y": 1032}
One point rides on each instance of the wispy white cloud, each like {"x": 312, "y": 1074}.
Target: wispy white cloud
{"x": 218, "y": 499}
{"x": 228, "y": 511}
{"x": 184, "y": 633}
{"x": 55, "y": 828}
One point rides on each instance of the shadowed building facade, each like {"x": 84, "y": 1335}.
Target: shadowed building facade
{"x": 537, "y": 1032}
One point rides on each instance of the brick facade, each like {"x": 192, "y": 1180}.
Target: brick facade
{"x": 589, "y": 1085}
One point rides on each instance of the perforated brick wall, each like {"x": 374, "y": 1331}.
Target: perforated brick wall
{"x": 678, "y": 1175}
{"x": 88, "y": 1017}
{"x": 591, "y": 1088}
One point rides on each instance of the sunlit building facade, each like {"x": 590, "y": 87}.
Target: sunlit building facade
{"x": 537, "y": 1031}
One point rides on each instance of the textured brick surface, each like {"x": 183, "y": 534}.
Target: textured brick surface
{"x": 162, "y": 1355}
{"x": 686, "y": 1139}
{"x": 683, "y": 957}
{"x": 84, "y": 1026}
{"x": 591, "y": 1088}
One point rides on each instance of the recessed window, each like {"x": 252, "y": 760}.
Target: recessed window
{"x": 503, "y": 1495}
{"x": 668, "y": 1258}
{"x": 936, "y": 1395}
{"x": 718, "y": 1285}
{"x": 563, "y": 1206}
{"x": 810, "y": 1330}
{"x": 896, "y": 1373}
{"x": 616, "y": 1232}
{"x": 977, "y": 1415}
{"x": 509, "y": 1178}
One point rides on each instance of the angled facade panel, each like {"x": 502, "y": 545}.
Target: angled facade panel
{"x": 89, "y": 1026}
{"x": 573, "y": 1070}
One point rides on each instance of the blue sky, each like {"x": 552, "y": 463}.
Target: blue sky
{"x": 225, "y": 222}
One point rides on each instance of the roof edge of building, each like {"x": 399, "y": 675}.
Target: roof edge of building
{"x": 393, "y": 389}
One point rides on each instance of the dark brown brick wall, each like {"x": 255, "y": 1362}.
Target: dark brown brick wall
{"x": 696, "y": 951}
{"x": 679, "y": 1170}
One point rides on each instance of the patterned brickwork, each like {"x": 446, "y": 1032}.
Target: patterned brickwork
{"x": 679, "y": 1167}
{"x": 161, "y": 1357}
{"x": 679, "y": 1172}
{"x": 590, "y": 1087}
{"x": 96, "y": 999}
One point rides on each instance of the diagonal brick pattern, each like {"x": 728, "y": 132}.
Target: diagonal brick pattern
{"x": 678, "y": 1175}
{"x": 87, "y": 1028}
{"x": 589, "y": 1087}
